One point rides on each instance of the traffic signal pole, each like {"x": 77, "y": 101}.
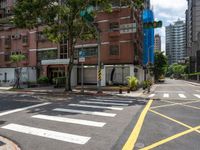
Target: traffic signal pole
{"x": 99, "y": 60}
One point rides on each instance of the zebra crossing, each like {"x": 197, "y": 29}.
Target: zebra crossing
{"x": 94, "y": 107}
{"x": 174, "y": 95}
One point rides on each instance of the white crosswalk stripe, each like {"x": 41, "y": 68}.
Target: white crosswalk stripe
{"x": 70, "y": 120}
{"x": 197, "y": 95}
{"x": 103, "y": 103}
{"x": 66, "y": 137}
{"x": 152, "y": 95}
{"x": 105, "y": 100}
{"x": 85, "y": 112}
{"x": 166, "y": 95}
{"x": 95, "y": 106}
{"x": 181, "y": 95}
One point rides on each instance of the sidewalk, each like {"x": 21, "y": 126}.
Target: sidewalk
{"x": 6, "y": 144}
{"x": 88, "y": 90}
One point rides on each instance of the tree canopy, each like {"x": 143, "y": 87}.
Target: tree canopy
{"x": 160, "y": 64}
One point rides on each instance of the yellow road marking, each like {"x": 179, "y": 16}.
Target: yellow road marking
{"x": 130, "y": 143}
{"x": 183, "y": 104}
{"x": 174, "y": 120}
{"x": 173, "y": 104}
{"x": 170, "y": 138}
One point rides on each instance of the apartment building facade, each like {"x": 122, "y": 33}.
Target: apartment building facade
{"x": 176, "y": 42}
{"x": 193, "y": 34}
{"x": 157, "y": 42}
{"x": 121, "y": 50}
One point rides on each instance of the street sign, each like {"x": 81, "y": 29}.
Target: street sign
{"x": 81, "y": 54}
{"x": 82, "y": 59}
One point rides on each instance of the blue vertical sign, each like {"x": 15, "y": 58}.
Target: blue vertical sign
{"x": 148, "y": 49}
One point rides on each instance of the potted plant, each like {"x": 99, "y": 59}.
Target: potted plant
{"x": 132, "y": 82}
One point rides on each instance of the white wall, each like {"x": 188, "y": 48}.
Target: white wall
{"x": 28, "y": 74}
{"x": 103, "y": 78}
{"x": 10, "y": 74}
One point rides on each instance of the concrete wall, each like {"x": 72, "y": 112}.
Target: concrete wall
{"x": 27, "y": 74}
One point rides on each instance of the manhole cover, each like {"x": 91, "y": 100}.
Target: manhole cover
{"x": 139, "y": 145}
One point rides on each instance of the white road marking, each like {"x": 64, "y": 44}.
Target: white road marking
{"x": 70, "y": 120}
{"x": 197, "y": 95}
{"x": 95, "y": 106}
{"x": 85, "y": 112}
{"x": 105, "y": 100}
{"x": 152, "y": 95}
{"x": 22, "y": 109}
{"x": 166, "y": 95}
{"x": 72, "y": 138}
{"x": 181, "y": 95}
{"x": 104, "y": 103}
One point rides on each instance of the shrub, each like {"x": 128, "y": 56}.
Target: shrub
{"x": 146, "y": 84}
{"x": 59, "y": 81}
{"x": 132, "y": 82}
{"x": 43, "y": 80}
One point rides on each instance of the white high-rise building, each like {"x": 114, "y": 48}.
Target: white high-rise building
{"x": 176, "y": 41}
{"x": 157, "y": 42}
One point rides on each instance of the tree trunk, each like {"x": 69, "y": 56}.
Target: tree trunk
{"x": 17, "y": 74}
{"x": 68, "y": 86}
{"x": 71, "y": 63}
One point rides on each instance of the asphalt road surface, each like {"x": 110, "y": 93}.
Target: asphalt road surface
{"x": 173, "y": 120}
{"x": 79, "y": 122}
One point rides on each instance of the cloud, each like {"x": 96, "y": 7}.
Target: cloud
{"x": 168, "y": 11}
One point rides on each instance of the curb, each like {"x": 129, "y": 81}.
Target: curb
{"x": 8, "y": 144}
{"x": 192, "y": 83}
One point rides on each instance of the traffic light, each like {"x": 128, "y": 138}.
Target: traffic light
{"x": 155, "y": 24}
{"x": 87, "y": 14}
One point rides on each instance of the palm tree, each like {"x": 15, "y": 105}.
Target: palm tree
{"x": 17, "y": 58}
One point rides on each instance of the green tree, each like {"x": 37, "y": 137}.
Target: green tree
{"x": 178, "y": 69}
{"x": 63, "y": 20}
{"x": 17, "y": 59}
{"x": 159, "y": 65}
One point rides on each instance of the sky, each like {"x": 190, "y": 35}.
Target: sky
{"x": 168, "y": 11}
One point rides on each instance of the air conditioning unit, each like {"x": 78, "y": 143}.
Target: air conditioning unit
{"x": 16, "y": 36}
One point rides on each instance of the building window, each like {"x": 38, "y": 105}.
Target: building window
{"x": 114, "y": 50}
{"x": 88, "y": 51}
{"x": 16, "y": 53}
{"x": 25, "y": 39}
{"x": 47, "y": 55}
{"x": 8, "y": 41}
{"x": 63, "y": 51}
{"x": 7, "y": 57}
{"x": 114, "y": 26}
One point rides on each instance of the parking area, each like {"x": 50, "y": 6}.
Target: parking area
{"x": 170, "y": 124}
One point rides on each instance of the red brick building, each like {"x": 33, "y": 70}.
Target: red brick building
{"x": 121, "y": 50}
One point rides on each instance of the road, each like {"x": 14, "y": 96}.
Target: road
{"x": 173, "y": 120}
{"x": 166, "y": 119}
{"x": 76, "y": 122}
